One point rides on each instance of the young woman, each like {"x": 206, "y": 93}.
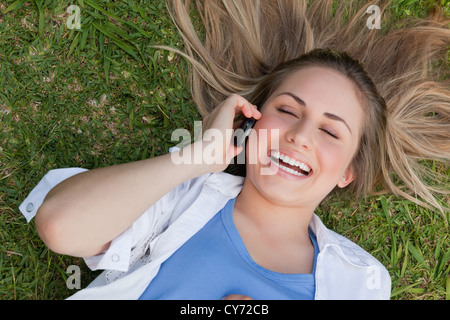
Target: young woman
{"x": 190, "y": 231}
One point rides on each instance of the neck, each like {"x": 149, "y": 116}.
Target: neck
{"x": 279, "y": 219}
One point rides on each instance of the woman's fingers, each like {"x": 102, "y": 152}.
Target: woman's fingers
{"x": 241, "y": 104}
{"x": 218, "y": 129}
{"x": 222, "y": 117}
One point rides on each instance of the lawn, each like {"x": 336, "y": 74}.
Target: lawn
{"x": 101, "y": 95}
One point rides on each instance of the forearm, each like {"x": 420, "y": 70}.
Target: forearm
{"x": 82, "y": 214}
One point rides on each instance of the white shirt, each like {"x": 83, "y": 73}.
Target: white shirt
{"x": 343, "y": 269}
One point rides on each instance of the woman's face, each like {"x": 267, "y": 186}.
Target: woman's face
{"x": 319, "y": 118}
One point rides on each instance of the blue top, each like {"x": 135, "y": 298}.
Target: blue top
{"x": 215, "y": 263}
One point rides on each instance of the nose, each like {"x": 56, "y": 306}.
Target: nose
{"x": 301, "y": 135}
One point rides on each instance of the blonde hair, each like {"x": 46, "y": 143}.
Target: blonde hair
{"x": 242, "y": 42}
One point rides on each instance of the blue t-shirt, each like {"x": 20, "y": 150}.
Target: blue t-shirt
{"x": 215, "y": 263}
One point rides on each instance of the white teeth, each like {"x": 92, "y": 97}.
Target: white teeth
{"x": 292, "y": 162}
{"x": 291, "y": 171}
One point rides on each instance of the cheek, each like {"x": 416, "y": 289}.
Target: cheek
{"x": 267, "y": 133}
{"x": 269, "y": 126}
{"x": 267, "y": 122}
{"x": 334, "y": 160}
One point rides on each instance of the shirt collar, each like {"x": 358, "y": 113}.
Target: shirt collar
{"x": 227, "y": 184}
{"x": 324, "y": 236}
{"x": 230, "y": 185}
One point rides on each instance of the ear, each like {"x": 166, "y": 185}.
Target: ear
{"x": 347, "y": 178}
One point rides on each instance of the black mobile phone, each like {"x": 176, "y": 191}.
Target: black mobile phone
{"x": 243, "y": 132}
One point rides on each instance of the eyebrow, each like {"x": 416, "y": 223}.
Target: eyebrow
{"x": 326, "y": 114}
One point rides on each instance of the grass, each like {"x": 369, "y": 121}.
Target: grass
{"x": 101, "y": 95}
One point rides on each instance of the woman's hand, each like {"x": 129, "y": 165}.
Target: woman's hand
{"x": 220, "y": 122}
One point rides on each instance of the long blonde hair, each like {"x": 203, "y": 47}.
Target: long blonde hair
{"x": 241, "y": 42}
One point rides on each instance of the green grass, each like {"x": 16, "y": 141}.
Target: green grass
{"x": 101, "y": 96}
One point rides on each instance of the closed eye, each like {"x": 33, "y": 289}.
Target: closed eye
{"x": 288, "y": 112}
{"x": 330, "y": 133}
{"x": 282, "y": 110}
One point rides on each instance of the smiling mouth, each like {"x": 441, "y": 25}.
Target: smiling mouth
{"x": 290, "y": 165}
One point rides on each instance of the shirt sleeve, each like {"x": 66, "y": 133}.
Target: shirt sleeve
{"x": 34, "y": 200}
{"x": 36, "y": 197}
{"x": 119, "y": 254}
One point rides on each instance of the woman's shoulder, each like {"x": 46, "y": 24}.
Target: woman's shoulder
{"x": 349, "y": 249}
{"x": 349, "y": 271}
